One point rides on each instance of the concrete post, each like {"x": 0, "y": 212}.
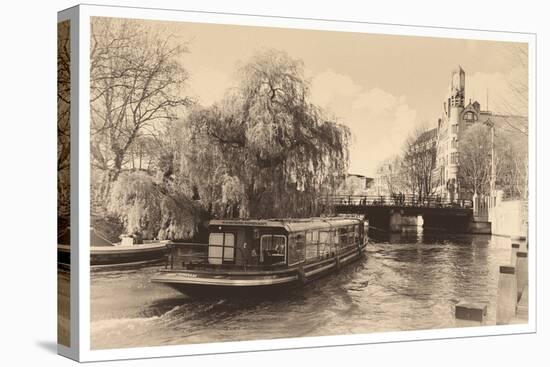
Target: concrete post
{"x": 395, "y": 220}
{"x": 470, "y": 314}
{"x": 475, "y": 200}
{"x": 506, "y": 295}
{"x": 521, "y": 272}
{"x": 521, "y": 240}
{"x": 499, "y": 197}
{"x": 515, "y": 249}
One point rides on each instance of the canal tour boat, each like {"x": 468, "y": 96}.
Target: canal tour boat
{"x": 257, "y": 256}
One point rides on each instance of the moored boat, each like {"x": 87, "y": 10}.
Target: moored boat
{"x": 107, "y": 254}
{"x": 257, "y": 256}
{"x": 128, "y": 255}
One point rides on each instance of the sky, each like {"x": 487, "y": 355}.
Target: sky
{"x": 381, "y": 86}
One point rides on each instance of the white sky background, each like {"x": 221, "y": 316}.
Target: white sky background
{"x": 381, "y": 86}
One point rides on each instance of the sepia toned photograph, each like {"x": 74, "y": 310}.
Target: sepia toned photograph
{"x": 256, "y": 183}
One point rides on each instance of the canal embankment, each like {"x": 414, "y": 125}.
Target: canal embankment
{"x": 509, "y": 218}
{"x": 512, "y": 306}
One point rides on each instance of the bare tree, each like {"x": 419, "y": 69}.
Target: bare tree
{"x": 63, "y": 127}
{"x": 136, "y": 82}
{"x": 519, "y": 85}
{"x": 63, "y": 95}
{"x": 475, "y": 159}
{"x": 510, "y": 161}
{"x": 516, "y": 103}
{"x": 419, "y": 161}
{"x": 391, "y": 175}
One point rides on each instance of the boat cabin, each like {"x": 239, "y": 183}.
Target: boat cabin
{"x": 281, "y": 242}
{"x": 248, "y": 256}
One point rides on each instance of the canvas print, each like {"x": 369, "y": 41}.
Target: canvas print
{"x": 252, "y": 183}
{"x": 63, "y": 181}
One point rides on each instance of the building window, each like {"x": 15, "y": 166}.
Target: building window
{"x": 454, "y": 158}
{"x": 455, "y": 129}
{"x": 470, "y": 116}
{"x": 454, "y": 144}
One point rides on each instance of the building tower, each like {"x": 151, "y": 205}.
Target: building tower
{"x": 453, "y": 117}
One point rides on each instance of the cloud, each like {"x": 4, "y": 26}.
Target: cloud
{"x": 329, "y": 86}
{"x": 374, "y": 100}
{"x": 379, "y": 121}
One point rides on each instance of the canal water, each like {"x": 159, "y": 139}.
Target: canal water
{"x": 409, "y": 281}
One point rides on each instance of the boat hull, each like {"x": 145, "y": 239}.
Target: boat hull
{"x": 205, "y": 283}
{"x": 106, "y": 256}
{"x": 227, "y": 291}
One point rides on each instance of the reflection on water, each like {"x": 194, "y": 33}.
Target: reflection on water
{"x": 407, "y": 281}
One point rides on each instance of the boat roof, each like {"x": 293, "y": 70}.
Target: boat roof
{"x": 290, "y": 224}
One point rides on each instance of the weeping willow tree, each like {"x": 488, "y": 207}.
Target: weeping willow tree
{"x": 151, "y": 208}
{"x": 265, "y": 150}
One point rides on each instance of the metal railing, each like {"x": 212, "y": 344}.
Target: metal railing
{"x": 397, "y": 200}
{"x": 196, "y": 256}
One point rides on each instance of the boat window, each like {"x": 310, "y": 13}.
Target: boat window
{"x": 357, "y": 228}
{"x": 335, "y": 245}
{"x": 335, "y": 237}
{"x": 296, "y": 248}
{"x": 221, "y": 248}
{"x": 343, "y": 236}
{"x": 312, "y": 244}
{"x": 272, "y": 249}
{"x": 324, "y": 243}
{"x": 351, "y": 236}
{"x": 229, "y": 247}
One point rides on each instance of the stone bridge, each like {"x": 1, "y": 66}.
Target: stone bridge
{"x": 392, "y": 213}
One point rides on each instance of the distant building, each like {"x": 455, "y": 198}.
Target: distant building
{"x": 388, "y": 179}
{"x": 354, "y": 184}
{"x": 455, "y": 120}
{"x": 427, "y": 141}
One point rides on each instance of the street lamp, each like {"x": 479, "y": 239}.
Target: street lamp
{"x": 491, "y": 124}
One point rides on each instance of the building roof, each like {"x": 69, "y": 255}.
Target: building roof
{"x": 367, "y": 179}
{"x": 290, "y": 224}
{"x": 509, "y": 123}
{"x": 427, "y": 136}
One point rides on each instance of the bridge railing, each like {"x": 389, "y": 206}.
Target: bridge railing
{"x": 398, "y": 200}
